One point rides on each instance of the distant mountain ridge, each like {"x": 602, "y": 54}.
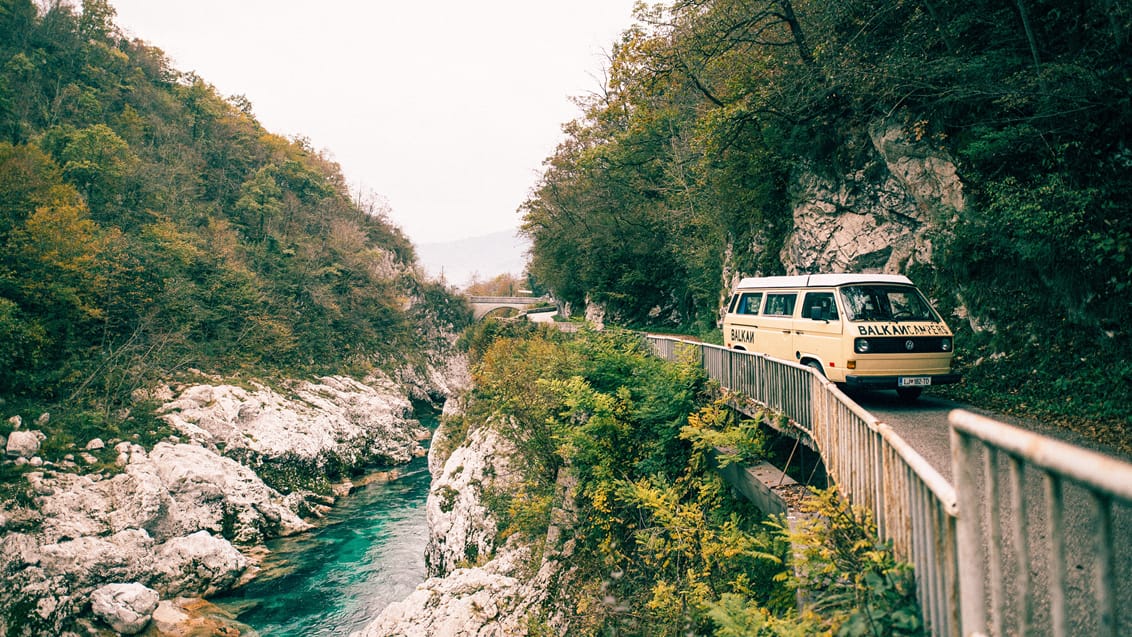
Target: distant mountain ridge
{"x": 481, "y": 257}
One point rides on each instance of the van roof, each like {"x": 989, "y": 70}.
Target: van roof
{"x": 820, "y": 280}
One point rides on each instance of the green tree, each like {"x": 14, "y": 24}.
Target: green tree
{"x": 260, "y": 198}
{"x": 95, "y": 160}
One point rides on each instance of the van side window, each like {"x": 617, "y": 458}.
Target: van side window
{"x": 731, "y": 303}
{"x": 780, "y": 304}
{"x": 749, "y": 303}
{"x": 819, "y": 306}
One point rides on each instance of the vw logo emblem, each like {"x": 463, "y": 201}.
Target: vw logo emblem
{"x": 909, "y": 345}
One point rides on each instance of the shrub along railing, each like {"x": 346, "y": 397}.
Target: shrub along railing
{"x": 917, "y": 509}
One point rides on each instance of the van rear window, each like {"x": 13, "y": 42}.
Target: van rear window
{"x": 780, "y": 304}
{"x": 886, "y": 303}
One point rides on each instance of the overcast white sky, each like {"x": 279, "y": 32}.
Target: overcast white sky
{"x": 444, "y": 107}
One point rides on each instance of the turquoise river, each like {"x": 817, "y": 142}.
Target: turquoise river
{"x": 366, "y": 553}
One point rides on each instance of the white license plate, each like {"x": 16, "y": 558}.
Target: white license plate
{"x": 914, "y": 381}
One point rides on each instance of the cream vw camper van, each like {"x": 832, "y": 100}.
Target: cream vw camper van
{"x": 859, "y": 330}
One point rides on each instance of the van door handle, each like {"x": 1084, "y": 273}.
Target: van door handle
{"x": 785, "y": 331}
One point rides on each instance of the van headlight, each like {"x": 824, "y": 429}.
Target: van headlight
{"x": 861, "y": 345}
{"x": 945, "y": 344}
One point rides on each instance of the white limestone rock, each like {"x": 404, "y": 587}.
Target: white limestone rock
{"x": 173, "y": 491}
{"x": 453, "y": 377}
{"x": 337, "y": 417}
{"x": 168, "y": 617}
{"x": 875, "y": 219}
{"x": 197, "y": 564}
{"x": 460, "y": 526}
{"x": 595, "y": 314}
{"x": 18, "y": 551}
{"x": 469, "y": 602}
{"x": 24, "y": 443}
{"x": 214, "y": 493}
{"x": 928, "y": 175}
{"x": 89, "y": 561}
{"x": 127, "y": 608}
{"x": 445, "y": 376}
{"x": 442, "y": 439}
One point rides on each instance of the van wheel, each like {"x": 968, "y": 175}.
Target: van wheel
{"x": 816, "y": 365}
{"x": 909, "y": 394}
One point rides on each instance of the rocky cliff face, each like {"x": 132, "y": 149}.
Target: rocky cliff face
{"x": 181, "y": 519}
{"x": 461, "y": 528}
{"x": 878, "y": 217}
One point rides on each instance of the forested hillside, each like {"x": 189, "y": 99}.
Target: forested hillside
{"x": 686, "y": 171}
{"x": 149, "y": 225}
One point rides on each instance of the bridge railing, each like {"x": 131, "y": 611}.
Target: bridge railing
{"x": 914, "y": 506}
{"x": 511, "y": 300}
{"x": 1069, "y": 476}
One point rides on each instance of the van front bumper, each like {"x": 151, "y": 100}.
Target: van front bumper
{"x": 892, "y": 382}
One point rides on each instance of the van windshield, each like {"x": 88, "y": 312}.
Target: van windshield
{"x": 886, "y": 303}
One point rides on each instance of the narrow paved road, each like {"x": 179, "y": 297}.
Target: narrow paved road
{"x": 924, "y": 425}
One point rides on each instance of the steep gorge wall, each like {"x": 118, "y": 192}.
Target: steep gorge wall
{"x": 877, "y": 217}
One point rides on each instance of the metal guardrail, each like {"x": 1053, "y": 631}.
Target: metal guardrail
{"x": 920, "y": 512}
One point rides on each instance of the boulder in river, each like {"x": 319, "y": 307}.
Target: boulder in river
{"x": 197, "y": 564}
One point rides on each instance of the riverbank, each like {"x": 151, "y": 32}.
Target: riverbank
{"x": 138, "y": 527}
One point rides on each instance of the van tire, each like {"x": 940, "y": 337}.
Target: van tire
{"x": 909, "y": 394}
{"x": 816, "y": 365}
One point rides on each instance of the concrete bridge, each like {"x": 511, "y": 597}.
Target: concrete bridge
{"x": 484, "y": 305}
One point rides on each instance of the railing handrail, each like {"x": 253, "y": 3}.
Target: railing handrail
{"x": 1090, "y": 469}
{"x": 1106, "y": 480}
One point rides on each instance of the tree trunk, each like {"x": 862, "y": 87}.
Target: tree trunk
{"x": 797, "y": 33}
{"x": 1033, "y": 44}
